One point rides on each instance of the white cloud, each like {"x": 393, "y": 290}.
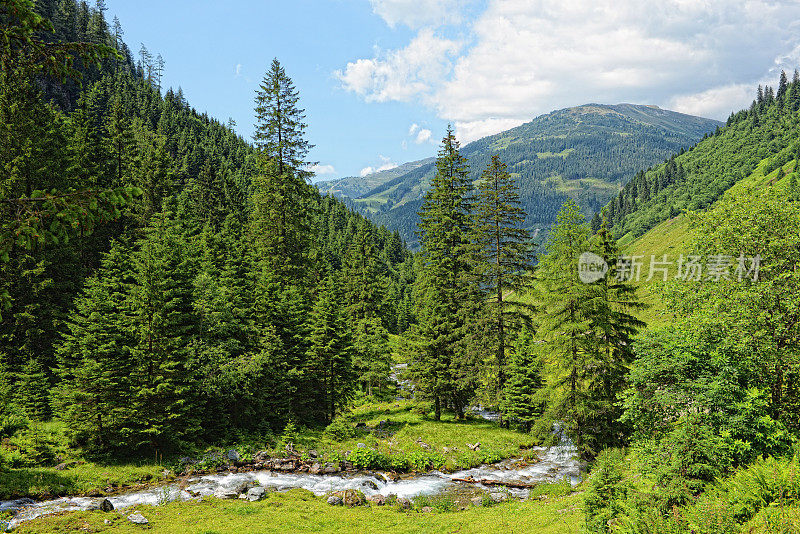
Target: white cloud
{"x": 385, "y": 164}
{"x": 238, "y": 70}
{"x": 322, "y": 169}
{"x": 404, "y": 74}
{"x": 417, "y": 13}
{"x": 423, "y": 136}
{"x": 522, "y": 58}
{"x": 413, "y": 129}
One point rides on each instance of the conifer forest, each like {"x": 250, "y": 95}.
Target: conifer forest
{"x": 575, "y": 321}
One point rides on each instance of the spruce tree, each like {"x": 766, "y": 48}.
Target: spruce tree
{"x": 520, "y": 400}
{"x": 33, "y": 391}
{"x": 283, "y": 199}
{"x": 95, "y": 361}
{"x": 504, "y": 258}
{"x": 441, "y": 367}
{"x": 330, "y": 351}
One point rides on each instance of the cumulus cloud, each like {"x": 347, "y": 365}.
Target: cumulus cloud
{"x": 385, "y": 164}
{"x": 522, "y": 58}
{"x": 322, "y": 169}
{"x": 417, "y": 13}
{"x": 423, "y": 136}
{"x": 405, "y": 74}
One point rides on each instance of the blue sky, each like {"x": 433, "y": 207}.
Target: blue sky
{"x": 380, "y": 79}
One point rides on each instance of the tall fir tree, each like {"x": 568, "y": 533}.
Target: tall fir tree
{"x": 505, "y": 259}
{"x": 442, "y": 368}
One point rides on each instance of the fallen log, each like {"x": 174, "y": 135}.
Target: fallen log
{"x": 490, "y": 482}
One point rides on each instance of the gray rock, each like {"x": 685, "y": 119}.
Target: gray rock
{"x": 404, "y": 503}
{"x": 330, "y": 469}
{"x": 334, "y": 500}
{"x": 313, "y": 453}
{"x": 477, "y": 501}
{"x": 498, "y": 496}
{"x": 106, "y": 505}
{"x": 369, "y": 484}
{"x": 256, "y": 494}
{"x": 315, "y": 468}
{"x": 234, "y": 456}
{"x": 138, "y": 519}
{"x": 378, "y": 500}
{"x": 360, "y": 445}
{"x": 426, "y": 509}
{"x": 226, "y": 493}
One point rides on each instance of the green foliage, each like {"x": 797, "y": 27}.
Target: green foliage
{"x": 606, "y": 492}
{"x": 340, "y": 429}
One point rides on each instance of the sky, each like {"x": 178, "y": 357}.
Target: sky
{"x": 381, "y": 79}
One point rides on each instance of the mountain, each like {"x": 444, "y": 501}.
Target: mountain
{"x": 587, "y": 152}
{"x": 355, "y": 186}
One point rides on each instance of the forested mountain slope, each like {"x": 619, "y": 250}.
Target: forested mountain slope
{"x": 762, "y": 138}
{"x": 170, "y": 319}
{"x": 586, "y": 153}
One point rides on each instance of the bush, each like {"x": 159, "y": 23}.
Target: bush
{"x": 339, "y": 430}
{"x": 606, "y": 493}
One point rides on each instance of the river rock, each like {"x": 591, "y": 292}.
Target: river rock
{"x": 360, "y": 445}
{"x": 334, "y": 500}
{"x": 351, "y": 497}
{"x": 226, "y": 493}
{"x": 256, "y": 494}
{"x": 313, "y": 454}
{"x": 369, "y": 484}
{"x": 498, "y": 496}
{"x": 234, "y": 456}
{"x": 315, "y": 468}
{"x": 426, "y": 509}
{"x": 477, "y": 501}
{"x": 404, "y": 503}
{"x": 377, "y": 500}
{"x": 330, "y": 469}
{"x": 138, "y": 519}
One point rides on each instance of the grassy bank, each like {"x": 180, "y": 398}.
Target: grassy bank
{"x": 408, "y": 440}
{"x": 300, "y": 511}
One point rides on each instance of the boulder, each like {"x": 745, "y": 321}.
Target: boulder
{"x": 351, "y": 497}
{"x": 234, "y": 456}
{"x": 106, "y": 505}
{"x": 334, "y": 500}
{"x": 256, "y": 494}
{"x": 313, "y": 454}
{"x": 330, "y": 469}
{"x": 138, "y": 519}
{"x": 474, "y": 446}
{"x": 226, "y": 493}
{"x": 360, "y": 445}
{"x": 477, "y": 501}
{"x": 498, "y": 496}
{"x": 315, "y": 469}
{"x": 377, "y": 500}
{"x": 404, "y": 503}
{"x": 369, "y": 484}
{"x": 426, "y": 509}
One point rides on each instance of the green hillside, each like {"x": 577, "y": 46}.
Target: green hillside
{"x": 586, "y": 153}
{"x": 755, "y": 142}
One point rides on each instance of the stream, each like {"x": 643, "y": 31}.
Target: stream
{"x": 556, "y": 463}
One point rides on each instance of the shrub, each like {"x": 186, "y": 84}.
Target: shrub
{"x": 606, "y": 492}
{"x": 339, "y": 430}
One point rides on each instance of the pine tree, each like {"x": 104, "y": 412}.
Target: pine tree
{"x": 567, "y": 318}
{"x": 283, "y": 200}
{"x": 445, "y": 288}
{"x": 504, "y": 257}
{"x": 520, "y": 394}
{"x": 33, "y": 391}
{"x": 330, "y": 351}
{"x": 165, "y": 329}
{"x": 95, "y": 362}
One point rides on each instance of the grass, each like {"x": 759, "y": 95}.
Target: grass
{"x": 413, "y": 441}
{"x": 300, "y": 511}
